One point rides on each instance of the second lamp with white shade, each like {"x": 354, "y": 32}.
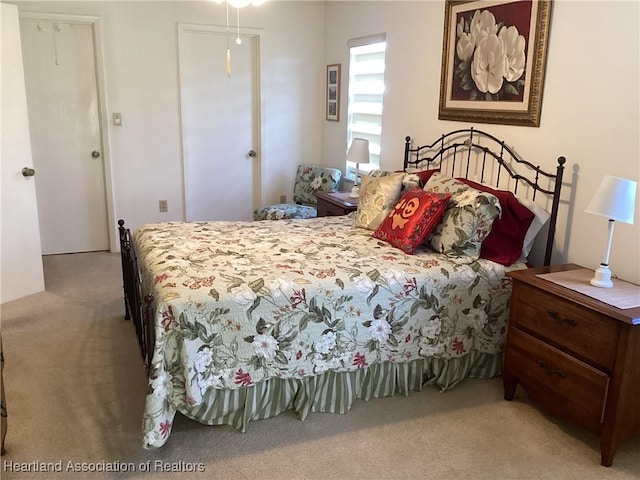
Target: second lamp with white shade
{"x": 615, "y": 199}
{"x": 358, "y": 153}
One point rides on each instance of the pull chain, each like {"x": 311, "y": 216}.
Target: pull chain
{"x": 238, "y": 39}
{"x": 228, "y": 49}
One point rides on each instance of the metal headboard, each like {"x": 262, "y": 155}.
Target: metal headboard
{"x": 461, "y": 152}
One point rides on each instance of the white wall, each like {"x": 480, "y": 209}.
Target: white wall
{"x": 141, "y": 65}
{"x": 590, "y": 108}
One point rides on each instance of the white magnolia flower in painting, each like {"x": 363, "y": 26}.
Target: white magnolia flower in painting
{"x": 364, "y": 284}
{"x": 243, "y": 295}
{"x": 325, "y": 343}
{"x": 279, "y": 285}
{"x": 465, "y": 47}
{"x": 483, "y": 25}
{"x": 490, "y": 57}
{"x": 514, "y": 44}
{"x": 393, "y": 275}
{"x": 432, "y": 328}
{"x": 316, "y": 183}
{"x": 460, "y": 28}
{"x": 477, "y": 318}
{"x": 380, "y": 330}
{"x": 162, "y": 385}
{"x": 265, "y": 346}
{"x": 489, "y": 65}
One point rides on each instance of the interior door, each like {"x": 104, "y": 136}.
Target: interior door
{"x": 21, "y": 263}
{"x": 60, "y": 74}
{"x": 220, "y": 121}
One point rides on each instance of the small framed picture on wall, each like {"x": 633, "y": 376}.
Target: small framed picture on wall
{"x": 333, "y": 92}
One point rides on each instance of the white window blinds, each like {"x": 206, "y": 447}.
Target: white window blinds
{"x": 366, "y": 92}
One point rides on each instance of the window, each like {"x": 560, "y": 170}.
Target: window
{"x": 366, "y": 91}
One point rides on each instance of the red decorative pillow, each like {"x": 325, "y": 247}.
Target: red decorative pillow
{"x": 414, "y": 216}
{"x": 424, "y": 175}
{"x": 504, "y": 243}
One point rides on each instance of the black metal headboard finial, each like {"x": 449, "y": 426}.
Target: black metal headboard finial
{"x": 452, "y": 154}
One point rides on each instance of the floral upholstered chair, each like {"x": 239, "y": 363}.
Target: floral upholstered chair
{"x": 309, "y": 180}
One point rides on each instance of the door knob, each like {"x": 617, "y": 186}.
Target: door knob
{"x": 95, "y": 154}
{"x": 28, "y": 172}
{"x": 252, "y": 153}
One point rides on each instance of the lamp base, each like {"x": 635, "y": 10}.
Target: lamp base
{"x": 355, "y": 192}
{"x": 602, "y": 278}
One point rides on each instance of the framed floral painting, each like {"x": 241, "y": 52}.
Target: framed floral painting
{"x": 493, "y": 61}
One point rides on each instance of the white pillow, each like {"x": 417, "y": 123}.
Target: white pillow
{"x": 378, "y": 196}
{"x": 541, "y": 217}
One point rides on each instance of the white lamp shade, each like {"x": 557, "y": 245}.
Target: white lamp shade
{"x": 358, "y": 151}
{"x": 615, "y": 199}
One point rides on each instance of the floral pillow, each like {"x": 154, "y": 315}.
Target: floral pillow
{"x": 409, "y": 180}
{"x": 414, "y": 216}
{"x": 378, "y": 195}
{"x": 424, "y": 175}
{"x": 466, "y": 222}
{"x": 504, "y": 244}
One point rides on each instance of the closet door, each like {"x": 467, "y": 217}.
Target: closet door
{"x": 60, "y": 73}
{"x": 220, "y": 124}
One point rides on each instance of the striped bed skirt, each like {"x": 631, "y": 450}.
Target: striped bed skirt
{"x": 335, "y": 392}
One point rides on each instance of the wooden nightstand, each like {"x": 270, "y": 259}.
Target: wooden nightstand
{"x": 336, "y": 203}
{"x": 577, "y": 356}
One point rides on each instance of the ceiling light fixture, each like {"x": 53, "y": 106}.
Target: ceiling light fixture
{"x": 237, "y": 4}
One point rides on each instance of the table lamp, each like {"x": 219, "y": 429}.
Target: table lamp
{"x": 358, "y": 153}
{"x": 615, "y": 199}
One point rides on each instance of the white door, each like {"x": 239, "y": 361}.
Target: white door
{"x": 60, "y": 73}
{"x": 220, "y": 124}
{"x": 20, "y": 240}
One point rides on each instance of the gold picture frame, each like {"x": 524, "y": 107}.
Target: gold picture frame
{"x": 333, "y": 92}
{"x": 476, "y": 88}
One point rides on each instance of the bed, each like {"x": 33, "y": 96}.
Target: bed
{"x": 239, "y": 321}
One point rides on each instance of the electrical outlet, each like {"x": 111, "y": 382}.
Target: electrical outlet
{"x": 163, "y": 206}
{"x": 283, "y": 199}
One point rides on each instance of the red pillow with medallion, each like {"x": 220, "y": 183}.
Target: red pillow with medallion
{"x": 414, "y": 216}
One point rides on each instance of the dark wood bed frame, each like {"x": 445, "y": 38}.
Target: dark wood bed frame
{"x": 452, "y": 153}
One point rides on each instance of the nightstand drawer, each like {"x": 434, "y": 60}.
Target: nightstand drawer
{"x": 331, "y": 204}
{"x": 326, "y": 209}
{"x": 564, "y": 385}
{"x": 567, "y": 325}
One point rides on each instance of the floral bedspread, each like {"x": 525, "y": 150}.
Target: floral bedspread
{"x": 238, "y": 303}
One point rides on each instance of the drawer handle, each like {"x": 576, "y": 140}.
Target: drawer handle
{"x": 559, "y": 321}
{"x": 548, "y": 371}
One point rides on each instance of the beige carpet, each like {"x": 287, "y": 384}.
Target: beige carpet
{"x": 75, "y": 388}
